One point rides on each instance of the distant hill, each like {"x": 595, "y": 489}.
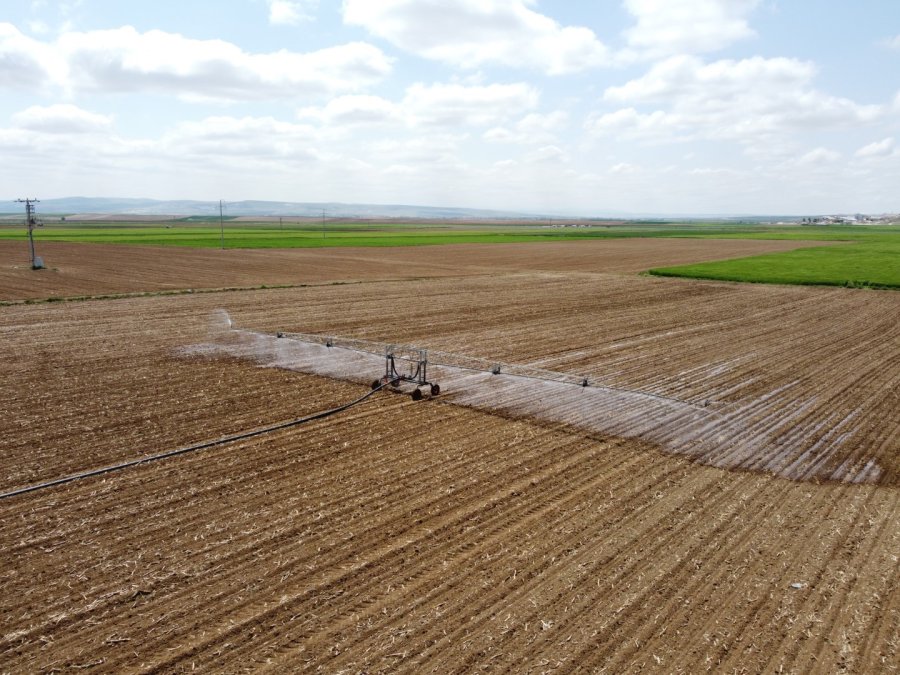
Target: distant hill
{"x": 187, "y": 208}
{"x": 153, "y": 209}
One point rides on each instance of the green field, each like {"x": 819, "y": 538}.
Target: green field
{"x": 868, "y": 258}
{"x": 338, "y": 234}
{"x": 862, "y": 256}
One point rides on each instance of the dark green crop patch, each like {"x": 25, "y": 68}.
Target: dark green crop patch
{"x": 863, "y": 264}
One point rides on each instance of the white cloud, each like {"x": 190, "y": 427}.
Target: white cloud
{"x": 436, "y": 105}
{"x": 536, "y": 122}
{"x": 124, "y": 60}
{"x": 533, "y": 128}
{"x": 25, "y": 63}
{"x": 688, "y": 76}
{"x": 715, "y": 172}
{"x": 288, "y": 13}
{"x": 360, "y": 135}
{"x": 549, "y": 154}
{"x": 666, "y": 27}
{"x": 818, "y": 156}
{"x": 892, "y": 43}
{"x": 248, "y": 137}
{"x": 623, "y": 167}
{"x": 213, "y": 156}
{"x": 61, "y": 119}
{"x": 473, "y": 33}
{"x": 353, "y": 110}
{"x": 38, "y": 27}
{"x": 419, "y": 154}
{"x": 750, "y": 99}
{"x": 459, "y": 105}
{"x": 59, "y": 135}
{"x": 500, "y": 135}
{"x": 629, "y": 123}
{"x": 877, "y": 149}
{"x": 63, "y": 142}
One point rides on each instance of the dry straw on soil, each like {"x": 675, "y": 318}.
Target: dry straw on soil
{"x": 453, "y": 535}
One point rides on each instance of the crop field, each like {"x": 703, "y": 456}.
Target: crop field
{"x": 339, "y": 233}
{"x": 331, "y": 235}
{"x": 75, "y": 270}
{"x": 724, "y": 496}
{"x": 868, "y": 258}
{"x": 862, "y": 256}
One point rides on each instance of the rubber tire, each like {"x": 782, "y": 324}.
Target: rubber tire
{"x": 416, "y": 395}
{"x": 435, "y": 389}
{"x": 376, "y": 384}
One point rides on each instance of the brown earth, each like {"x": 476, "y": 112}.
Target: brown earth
{"x": 432, "y": 537}
{"x": 95, "y": 269}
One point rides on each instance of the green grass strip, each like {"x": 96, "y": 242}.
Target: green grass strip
{"x": 343, "y": 235}
{"x": 862, "y": 265}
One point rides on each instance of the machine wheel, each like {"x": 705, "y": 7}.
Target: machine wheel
{"x": 376, "y": 384}
{"x": 417, "y": 395}
{"x": 435, "y": 389}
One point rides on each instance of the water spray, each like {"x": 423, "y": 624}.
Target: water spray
{"x": 725, "y": 434}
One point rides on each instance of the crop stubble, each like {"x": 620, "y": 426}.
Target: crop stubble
{"x": 433, "y": 537}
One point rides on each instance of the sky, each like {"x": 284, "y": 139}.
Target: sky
{"x": 575, "y": 107}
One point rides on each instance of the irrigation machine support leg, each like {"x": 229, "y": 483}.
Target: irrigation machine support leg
{"x": 418, "y": 377}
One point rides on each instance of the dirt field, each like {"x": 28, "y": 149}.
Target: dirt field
{"x": 453, "y": 535}
{"x": 91, "y": 269}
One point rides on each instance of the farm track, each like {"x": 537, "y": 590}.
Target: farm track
{"x": 437, "y": 537}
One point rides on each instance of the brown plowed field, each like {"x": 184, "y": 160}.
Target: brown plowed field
{"x": 444, "y": 536}
{"x": 93, "y": 269}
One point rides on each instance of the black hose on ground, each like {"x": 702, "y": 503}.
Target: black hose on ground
{"x": 190, "y": 448}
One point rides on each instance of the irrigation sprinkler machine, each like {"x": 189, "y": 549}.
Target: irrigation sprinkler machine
{"x": 407, "y": 364}
{"x": 402, "y": 363}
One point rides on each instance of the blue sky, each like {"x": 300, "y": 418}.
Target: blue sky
{"x": 593, "y": 108}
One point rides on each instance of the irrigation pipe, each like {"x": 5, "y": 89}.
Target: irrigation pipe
{"x": 190, "y": 448}
{"x": 331, "y": 342}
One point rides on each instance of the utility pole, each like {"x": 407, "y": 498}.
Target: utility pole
{"x": 31, "y": 222}
{"x": 221, "y": 226}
